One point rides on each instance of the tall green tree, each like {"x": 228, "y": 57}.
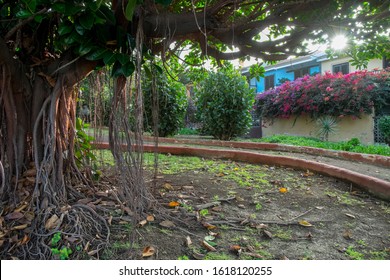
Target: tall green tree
{"x": 48, "y": 46}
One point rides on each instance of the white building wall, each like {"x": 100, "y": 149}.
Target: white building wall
{"x": 326, "y": 66}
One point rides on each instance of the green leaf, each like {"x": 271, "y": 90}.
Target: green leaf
{"x": 148, "y": 72}
{"x": 107, "y": 14}
{"x": 130, "y": 9}
{"x": 85, "y": 48}
{"x": 87, "y": 21}
{"x": 65, "y": 29}
{"x": 39, "y": 18}
{"x": 122, "y": 58}
{"x": 158, "y": 68}
{"x": 66, "y": 8}
{"x": 98, "y": 54}
{"x": 109, "y": 58}
{"x": 79, "y": 124}
{"x": 73, "y": 38}
{"x": 59, "y": 7}
{"x": 31, "y": 4}
{"x": 122, "y": 70}
{"x": 95, "y": 5}
{"x": 79, "y": 29}
{"x": 23, "y": 14}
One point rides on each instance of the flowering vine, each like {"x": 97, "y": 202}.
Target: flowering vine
{"x": 335, "y": 95}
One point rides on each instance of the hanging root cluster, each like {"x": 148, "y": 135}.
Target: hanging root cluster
{"x": 125, "y": 138}
{"x": 43, "y": 213}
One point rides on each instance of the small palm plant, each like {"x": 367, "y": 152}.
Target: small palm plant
{"x": 326, "y": 125}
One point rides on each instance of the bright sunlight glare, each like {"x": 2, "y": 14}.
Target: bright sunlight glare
{"x": 339, "y": 42}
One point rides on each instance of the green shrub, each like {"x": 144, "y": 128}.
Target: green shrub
{"x": 224, "y": 102}
{"x": 172, "y": 105}
{"x": 384, "y": 126}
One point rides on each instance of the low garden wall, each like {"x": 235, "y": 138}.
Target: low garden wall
{"x": 347, "y": 128}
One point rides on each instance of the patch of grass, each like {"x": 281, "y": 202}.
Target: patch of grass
{"x": 351, "y": 145}
{"x": 177, "y": 164}
{"x": 353, "y": 254}
{"x": 343, "y": 198}
{"x": 217, "y": 256}
{"x": 385, "y": 207}
{"x": 379, "y": 255}
{"x": 188, "y": 131}
{"x": 283, "y": 234}
{"x": 258, "y": 206}
{"x": 361, "y": 242}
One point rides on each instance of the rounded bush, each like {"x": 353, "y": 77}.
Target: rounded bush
{"x": 224, "y": 102}
{"x": 172, "y": 105}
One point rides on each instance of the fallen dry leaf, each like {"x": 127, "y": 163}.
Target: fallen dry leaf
{"x": 148, "y": 251}
{"x": 208, "y": 246}
{"x": 150, "y": 218}
{"x": 307, "y": 174}
{"x": 305, "y": 223}
{"x": 14, "y": 216}
{"x": 22, "y": 207}
{"x": 167, "y": 224}
{"x": 268, "y": 234}
{"x": 283, "y": 190}
{"x": 198, "y": 256}
{"x": 52, "y": 222}
{"x": 261, "y": 226}
{"x": 209, "y": 226}
{"x": 128, "y": 211}
{"x": 188, "y": 241}
{"x": 235, "y": 248}
{"x": 19, "y": 227}
{"x": 347, "y": 234}
{"x": 217, "y": 209}
{"x": 93, "y": 252}
{"x": 350, "y": 216}
{"x": 25, "y": 239}
{"x": 173, "y": 204}
{"x": 168, "y": 187}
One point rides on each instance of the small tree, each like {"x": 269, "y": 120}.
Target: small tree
{"x": 172, "y": 104}
{"x": 224, "y": 102}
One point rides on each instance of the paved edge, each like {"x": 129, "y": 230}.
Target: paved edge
{"x": 372, "y": 185}
{"x": 364, "y": 158}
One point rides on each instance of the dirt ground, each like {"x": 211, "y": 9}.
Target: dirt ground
{"x": 229, "y": 210}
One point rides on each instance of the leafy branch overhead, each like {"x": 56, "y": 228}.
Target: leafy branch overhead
{"x": 222, "y": 29}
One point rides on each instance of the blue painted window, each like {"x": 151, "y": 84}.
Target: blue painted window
{"x": 269, "y": 81}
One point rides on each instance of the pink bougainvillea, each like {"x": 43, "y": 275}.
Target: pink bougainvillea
{"x": 336, "y": 95}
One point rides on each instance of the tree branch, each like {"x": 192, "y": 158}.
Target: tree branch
{"x": 13, "y": 30}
